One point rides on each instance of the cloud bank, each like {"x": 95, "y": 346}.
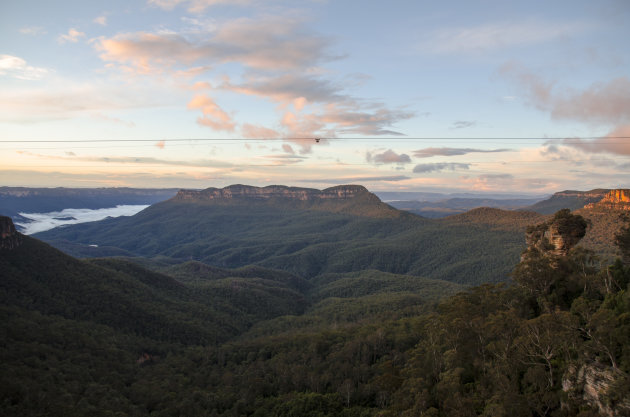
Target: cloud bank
{"x": 439, "y": 167}
{"x": 40, "y": 222}
{"x": 429, "y": 152}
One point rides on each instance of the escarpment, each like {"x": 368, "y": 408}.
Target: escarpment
{"x": 9, "y": 237}
{"x": 618, "y": 199}
{"x": 351, "y": 199}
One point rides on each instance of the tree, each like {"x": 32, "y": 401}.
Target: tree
{"x": 622, "y": 240}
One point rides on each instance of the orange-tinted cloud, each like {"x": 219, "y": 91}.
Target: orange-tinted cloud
{"x": 616, "y": 142}
{"x": 213, "y": 116}
{"x": 259, "y": 132}
{"x": 274, "y": 43}
{"x": 72, "y": 36}
{"x": 160, "y": 144}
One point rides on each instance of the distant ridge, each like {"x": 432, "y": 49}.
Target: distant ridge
{"x": 351, "y": 199}
{"x": 238, "y": 191}
{"x": 497, "y": 218}
{"x": 571, "y": 199}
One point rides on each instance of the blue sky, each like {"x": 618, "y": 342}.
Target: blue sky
{"x": 498, "y": 96}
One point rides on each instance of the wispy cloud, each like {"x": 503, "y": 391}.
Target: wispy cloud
{"x": 104, "y": 117}
{"x": 68, "y": 99}
{"x": 439, "y": 167}
{"x": 273, "y": 43}
{"x": 200, "y": 163}
{"x": 33, "y": 30}
{"x": 285, "y": 159}
{"x": 487, "y": 37}
{"x": 601, "y": 103}
{"x": 72, "y": 36}
{"x": 101, "y": 20}
{"x": 16, "y": 67}
{"x": 462, "y": 124}
{"x": 429, "y": 152}
{"x": 251, "y": 131}
{"x": 281, "y": 62}
{"x": 351, "y": 180}
{"x": 387, "y": 157}
{"x": 616, "y": 142}
{"x": 196, "y": 6}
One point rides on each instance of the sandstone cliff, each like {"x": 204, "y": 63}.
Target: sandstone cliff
{"x": 558, "y": 235}
{"x": 606, "y": 217}
{"x": 353, "y": 199}
{"x": 615, "y": 200}
{"x": 591, "y": 383}
{"x": 9, "y": 237}
{"x": 239, "y": 191}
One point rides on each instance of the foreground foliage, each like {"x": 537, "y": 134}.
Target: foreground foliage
{"x": 324, "y": 348}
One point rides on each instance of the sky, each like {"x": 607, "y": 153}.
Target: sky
{"x": 480, "y": 96}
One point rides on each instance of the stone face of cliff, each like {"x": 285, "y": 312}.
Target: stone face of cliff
{"x": 591, "y": 384}
{"x": 615, "y": 200}
{"x": 558, "y": 235}
{"x": 239, "y": 191}
{"x": 349, "y": 199}
{"x": 9, "y": 237}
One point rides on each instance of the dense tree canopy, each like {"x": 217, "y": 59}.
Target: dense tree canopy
{"x": 109, "y": 337}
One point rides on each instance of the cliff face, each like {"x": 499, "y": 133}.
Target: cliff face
{"x": 615, "y": 200}
{"x": 597, "y": 194}
{"x": 9, "y": 237}
{"x": 274, "y": 192}
{"x": 570, "y": 199}
{"x": 591, "y": 384}
{"x": 349, "y": 199}
{"x": 558, "y": 235}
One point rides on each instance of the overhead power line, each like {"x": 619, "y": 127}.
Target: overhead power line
{"x": 315, "y": 139}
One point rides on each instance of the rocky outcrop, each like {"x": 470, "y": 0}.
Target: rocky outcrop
{"x": 239, "y": 191}
{"x": 558, "y": 235}
{"x": 591, "y": 384}
{"x": 9, "y": 237}
{"x": 615, "y": 200}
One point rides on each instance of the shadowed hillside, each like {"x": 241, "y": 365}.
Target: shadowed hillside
{"x": 301, "y": 231}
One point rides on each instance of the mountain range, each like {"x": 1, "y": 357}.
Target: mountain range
{"x": 279, "y": 301}
{"x": 309, "y": 232}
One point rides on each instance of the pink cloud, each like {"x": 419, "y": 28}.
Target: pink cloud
{"x": 275, "y": 43}
{"x": 275, "y": 54}
{"x": 615, "y": 142}
{"x": 258, "y": 132}
{"x": 213, "y": 116}
{"x": 601, "y": 103}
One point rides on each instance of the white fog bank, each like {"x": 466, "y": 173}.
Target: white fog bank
{"x": 40, "y": 222}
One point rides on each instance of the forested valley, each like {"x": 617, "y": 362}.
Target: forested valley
{"x": 109, "y": 337}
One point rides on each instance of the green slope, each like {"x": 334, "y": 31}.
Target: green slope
{"x": 134, "y": 300}
{"x": 301, "y": 241}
